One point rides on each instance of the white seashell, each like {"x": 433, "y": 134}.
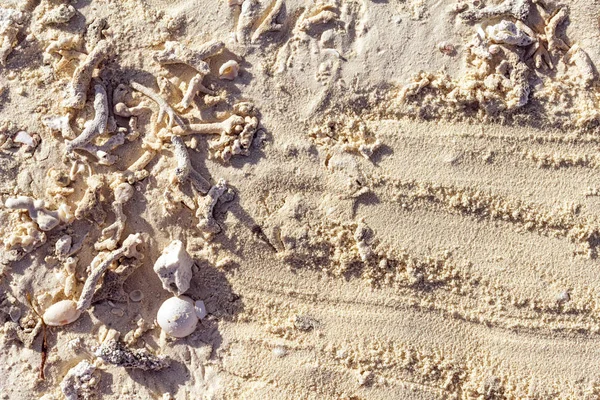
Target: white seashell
{"x": 177, "y": 316}
{"x": 229, "y": 70}
{"x": 174, "y": 268}
{"x": 200, "y": 309}
{"x": 62, "y": 313}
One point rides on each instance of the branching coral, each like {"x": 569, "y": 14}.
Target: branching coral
{"x": 123, "y": 192}
{"x": 164, "y": 107}
{"x": 236, "y": 132}
{"x": 176, "y": 53}
{"x": 97, "y": 126}
{"x": 101, "y": 263}
{"x": 77, "y": 91}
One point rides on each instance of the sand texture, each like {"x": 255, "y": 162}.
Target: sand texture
{"x": 354, "y": 199}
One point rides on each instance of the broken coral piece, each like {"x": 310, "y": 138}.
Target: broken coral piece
{"x": 236, "y": 132}
{"x": 249, "y": 14}
{"x": 57, "y": 15}
{"x": 78, "y": 87}
{"x": 206, "y": 206}
{"x": 518, "y": 9}
{"x": 174, "y": 268}
{"x": 582, "y": 62}
{"x": 123, "y": 192}
{"x": 79, "y": 382}
{"x": 60, "y": 124}
{"x": 269, "y": 23}
{"x": 507, "y": 32}
{"x": 37, "y": 211}
{"x": 90, "y": 204}
{"x": 115, "y": 352}
{"x": 10, "y": 24}
{"x": 94, "y": 128}
{"x": 184, "y": 170}
{"x": 177, "y": 316}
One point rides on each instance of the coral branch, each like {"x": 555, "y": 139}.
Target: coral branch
{"x": 83, "y": 75}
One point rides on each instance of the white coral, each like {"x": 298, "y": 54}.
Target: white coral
{"x": 174, "y": 268}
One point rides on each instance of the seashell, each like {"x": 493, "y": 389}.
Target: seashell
{"x": 200, "y": 309}
{"x": 62, "y": 313}
{"x": 229, "y": 70}
{"x": 177, "y": 316}
{"x": 136, "y": 295}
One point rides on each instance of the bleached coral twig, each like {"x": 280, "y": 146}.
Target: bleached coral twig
{"x": 164, "y": 107}
{"x": 97, "y": 126}
{"x": 227, "y": 126}
{"x": 123, "y": 192}
{"x": 554, "y": 42}
{"x": 82, "y": 77}
{"x": 248, "y": 16}
{"x": 127, "y": 249}
{"x": 176, "y": 53}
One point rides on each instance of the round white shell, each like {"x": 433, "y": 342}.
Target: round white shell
{"x": 177, "y": 316}
{"x": 62, "y": 313}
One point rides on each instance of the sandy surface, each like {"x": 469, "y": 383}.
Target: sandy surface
{"x": 413, "y": 217}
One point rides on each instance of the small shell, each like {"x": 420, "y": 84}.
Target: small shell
{"x": 229, "y": 70}
{"x": 62, "y": 313}
{"x": 177, "y": 316}
{"x": 136, "y": 295}
{"x": 200, "y": 309}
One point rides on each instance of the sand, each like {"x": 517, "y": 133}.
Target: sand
{"x": 409, "y": 212}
